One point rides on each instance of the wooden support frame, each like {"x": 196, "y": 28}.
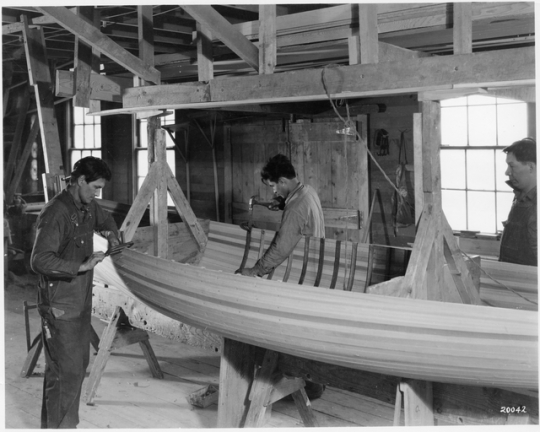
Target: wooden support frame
{"x": 119, "y": 333}
{"x": 226, "y": 32}
{"x": 101, "y": 42}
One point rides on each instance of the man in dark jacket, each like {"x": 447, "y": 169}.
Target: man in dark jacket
{"x": 519, "y": 242}
{"x": 63, "y": 256}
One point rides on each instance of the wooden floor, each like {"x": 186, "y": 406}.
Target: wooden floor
{"x": 128, "y": 396}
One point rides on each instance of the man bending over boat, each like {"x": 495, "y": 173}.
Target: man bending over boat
{"x": 302, "y": 216}
{"x": 64, "y": 257}
{"x": 519, "y": 243}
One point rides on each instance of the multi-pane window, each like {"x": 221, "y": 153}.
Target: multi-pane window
{"x": 474, "y": 130}
{"x": 86, "y": 136}
{"x": 141, "y": 151}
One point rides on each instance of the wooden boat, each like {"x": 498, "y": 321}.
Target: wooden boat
{"x": 434, "y": 341}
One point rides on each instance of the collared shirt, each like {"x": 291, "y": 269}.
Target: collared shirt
{"x": 519, "y": 243}
{"x": 64, "y": 240}
{"x": 302, "y": 216}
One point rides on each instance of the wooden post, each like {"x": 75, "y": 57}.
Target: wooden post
{"x": 418, "y": 167}
{"x": 227, "y": 174}
{"x": 418, "y": 402}
{"x": 235, "y": 376}
{"x": 363, "y": 180}
{"x": 205, "y": 61}
{"x": 462, "y": 28}
{"x": 86, "y": 60}
{"x": 369, "y": 33}
{"x": 267, "y": 38}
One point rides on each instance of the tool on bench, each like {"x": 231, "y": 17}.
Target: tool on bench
{"x": 118, "y": 249}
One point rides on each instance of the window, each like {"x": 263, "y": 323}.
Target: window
{"x": 141, "y": 151}
{"x": 474, "y": 130}
{"x": 86, "y": 136}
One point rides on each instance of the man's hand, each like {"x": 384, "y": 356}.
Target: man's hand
{"x": 92, "y": 261}
{"x": 113, "y": 240}
{"x": 247, "y": 272}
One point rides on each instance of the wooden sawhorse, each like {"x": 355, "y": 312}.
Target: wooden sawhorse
{"x": 34, "y": 348}
{"x": 119, "y": 333}
{"x": 249, "y": 385}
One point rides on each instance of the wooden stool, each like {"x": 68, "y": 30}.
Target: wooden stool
{"x": 34, "y": 348}
{"x": 119, "y": 333}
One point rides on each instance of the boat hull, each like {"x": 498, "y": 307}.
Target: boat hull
{"x": 434, "y": 341}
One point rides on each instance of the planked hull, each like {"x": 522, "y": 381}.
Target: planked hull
{"x": 435, "y": 341}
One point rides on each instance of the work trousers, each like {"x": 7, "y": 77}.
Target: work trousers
{"x": 67, "y": 353}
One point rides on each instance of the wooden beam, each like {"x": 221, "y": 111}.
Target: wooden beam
{"x": 267, "y": 38}
{"x": 102, "y": 87}
{"x": 184, "y": 209}
{"x": 145, "y": 21}
{"x": 101, "y": 42}
{"x": 229, "y": 35}
{"x": 462, "y": 28}
{"x": 513, "y": 67}
{"x": 40, "y": 77}
{"x": 369, "y": 47}
{"x": 205, "y": 60}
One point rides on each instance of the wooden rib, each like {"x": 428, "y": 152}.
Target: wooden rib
{"x": 352, "y": 271}
{"x": 22, "y": 110}
{"x": 321, "y": 263}
{"x": 336, "y": 265}
{"x": 288, "y": 270}
{"x": 371, "y": 259}
{"x": 261, "y": 244}
{"x": 304, "y": 263}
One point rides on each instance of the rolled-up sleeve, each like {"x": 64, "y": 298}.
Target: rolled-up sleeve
{"x": 45, "y": 258}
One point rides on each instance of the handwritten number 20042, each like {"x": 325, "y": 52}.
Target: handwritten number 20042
{"x": 511, "y": 410}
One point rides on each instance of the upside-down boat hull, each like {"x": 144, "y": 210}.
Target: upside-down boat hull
{"x": 434, "y": 341}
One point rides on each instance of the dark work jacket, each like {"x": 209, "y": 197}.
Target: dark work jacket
{"x": 64, "y": 240}
{"x": 519, "y": 242}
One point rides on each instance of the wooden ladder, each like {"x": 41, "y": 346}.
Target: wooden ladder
{"x": 119, "y": 333}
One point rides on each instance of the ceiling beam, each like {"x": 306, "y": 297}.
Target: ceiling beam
{"x": 208, "y": 17}
{"x": 513, "y": 67}
{"x": 102, "y": 43}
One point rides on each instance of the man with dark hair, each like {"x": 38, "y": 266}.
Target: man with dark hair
{"x": 64, "y": 258}
{"x": 302, "y": 214}
{"x": 519, "y": 243}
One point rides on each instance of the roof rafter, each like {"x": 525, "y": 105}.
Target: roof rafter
{"x": 92, "y": 36}
{"x": 226, "y": 32}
